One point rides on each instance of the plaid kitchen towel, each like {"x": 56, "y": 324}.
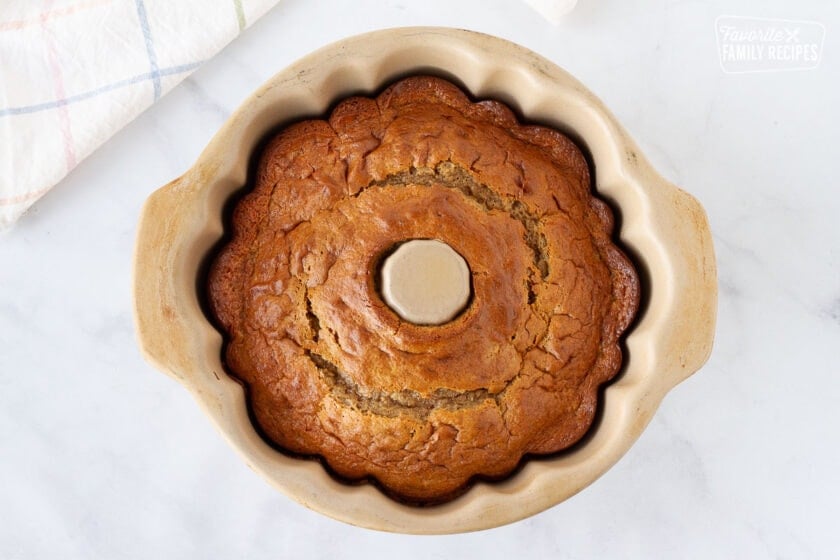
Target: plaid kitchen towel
{"x": 73, "y": 72}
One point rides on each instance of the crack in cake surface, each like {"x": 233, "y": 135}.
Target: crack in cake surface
{"x": 454, "y": 176}
{"x": 394, "y": 404}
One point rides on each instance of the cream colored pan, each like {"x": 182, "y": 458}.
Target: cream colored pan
{"x": 665, "y": 229}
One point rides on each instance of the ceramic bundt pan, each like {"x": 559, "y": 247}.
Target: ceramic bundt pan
{"x": 664, "y": 228}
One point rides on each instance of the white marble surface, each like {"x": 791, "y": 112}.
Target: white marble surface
{"x": 103, "y": 457}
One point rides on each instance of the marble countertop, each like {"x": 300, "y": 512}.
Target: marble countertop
{"x": 101, "y": 456}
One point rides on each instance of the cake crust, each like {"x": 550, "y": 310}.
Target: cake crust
{"x": 333, "y": 372}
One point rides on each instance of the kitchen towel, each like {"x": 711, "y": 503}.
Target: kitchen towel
{"x": 73, "y": 72}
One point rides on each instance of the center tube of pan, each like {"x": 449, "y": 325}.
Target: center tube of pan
{"x": 425, "y": 281}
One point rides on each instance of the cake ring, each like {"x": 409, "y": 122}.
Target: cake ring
{"x": 336, "y": 369}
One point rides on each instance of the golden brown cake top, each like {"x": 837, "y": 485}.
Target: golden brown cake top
{"x": 423, "y": 410}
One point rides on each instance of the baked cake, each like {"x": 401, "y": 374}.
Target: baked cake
{"x": 422, "y": 410}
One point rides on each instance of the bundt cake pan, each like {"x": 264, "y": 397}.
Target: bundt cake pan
{"x": 663, "y": 228}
